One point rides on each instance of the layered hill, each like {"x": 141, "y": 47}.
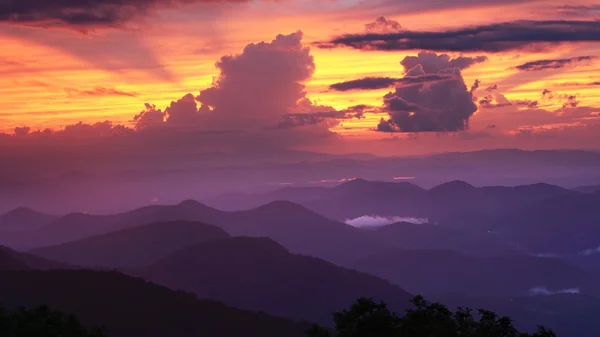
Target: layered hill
{"x": 129, "y": 306}
{"x": 259, "y": 274}
{"x": 133, "y": 247}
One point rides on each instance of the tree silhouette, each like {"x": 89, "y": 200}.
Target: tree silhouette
{"x": 42, "y": 322}
{"x": 366, "y": 318}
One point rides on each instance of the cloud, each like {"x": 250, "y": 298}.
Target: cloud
{"x": 150, "y": 117}
{"x": 578, "y": 10}
{"x": 497, "y": 37}
{"x": 567, "y": 100}
{"x": 330, "y": 115}
{"x": 366, "y": 83}
{"x": 543, "y": 291}
{"x": 383, "y": 25}
{"x": 431, "y": 63}
{"x": 496, "y": 100}
{"x": 591, "y": 251}
{"x": 99, "y": 91}
{"x": 553, "y": 64}
{"x": 85, "y": 13}
{"x": 431, "y": 99}
{"x": 257, "y": 89}
{"x": 369, "y": 221}
{"x": 434, "y": 63}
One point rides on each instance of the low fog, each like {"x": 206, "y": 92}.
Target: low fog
{"x": 371, "y": 221}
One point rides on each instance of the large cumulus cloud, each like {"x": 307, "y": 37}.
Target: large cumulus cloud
{"x": 257, "y": 100}
{"x": 260, "y": 84}
{"x": 431, "y": 97}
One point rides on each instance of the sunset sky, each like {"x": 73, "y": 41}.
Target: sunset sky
{"x": 325, "y": 75}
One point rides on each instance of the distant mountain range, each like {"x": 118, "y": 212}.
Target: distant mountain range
{"x": 297, "y": 228}
{"x": 102, "y": 186}
{"x": 434, "y": 272}
{"x": 359, "y": 197}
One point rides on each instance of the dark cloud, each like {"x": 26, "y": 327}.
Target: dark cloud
{"x": 567, "y": 100}
{"x": 383, "y": 25}
{"x": 150, "y": 117}
{"x": 579, "y": 10}
{"x": 330, "y": 115}
{"x": 366, "y": 83}
{"x": 497, "y": 100}
{"x": 571, "y": 102}
{"x": 553, "y": 64}
{"x": 22, "y": 131}
{"x": 496, "y": 37}
{"x": 433, "y": 63}
{"x": 492, "y": 88}
{"x": 185, "y": 112}
{"x": 428, "y": 99}
{"x": 99, "y": 91}
{"x": 84, "y": 13}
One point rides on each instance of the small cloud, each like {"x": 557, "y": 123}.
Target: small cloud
{"x": 591, "y": 251}
{"x": 553, "y": 64}
{"x": 370, "y": 221}
{"x": 366, "y": 83}
{"x": 383, "y": 25}
{"x": 543, "y": 291}
{"x": 99, "y": 91}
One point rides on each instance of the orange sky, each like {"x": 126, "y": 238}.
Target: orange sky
{"x": 53, "y": 77}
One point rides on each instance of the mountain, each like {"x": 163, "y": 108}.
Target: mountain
{"x": 406, "y": 235}
{"x": 296, "y": 227}
{"x": 75, "y": 226}
{"x": 443, "y": 271}
{"x": 360, "y": 197}
{"x": 588, "y": 189}
{"x": 23, "y": 219}
{"x": 259, "y": 274}
{"x": 13, "y": 260}
{"x": 562, "y": 225}
{"x": 133, "y": 247}
{"x": 9, "y": 261}
{"x": 129, "y": 306}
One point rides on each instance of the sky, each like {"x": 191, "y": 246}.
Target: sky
{"x": 388, "y": 77}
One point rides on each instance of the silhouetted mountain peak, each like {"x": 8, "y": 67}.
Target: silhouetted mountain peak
{"x": 8, "y": 260}
{"x": 455, "y": 186}
{"x": 542, "y": 187}
{"x": 191, "y": 203}
{"x": 283, "y": 207}
{"x": 360, "y": 185}
{"x": 20, "y": 211}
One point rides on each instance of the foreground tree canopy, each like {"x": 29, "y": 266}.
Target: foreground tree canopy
{"x": 42, "y": 322}
{"x": 366, "y": 318}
